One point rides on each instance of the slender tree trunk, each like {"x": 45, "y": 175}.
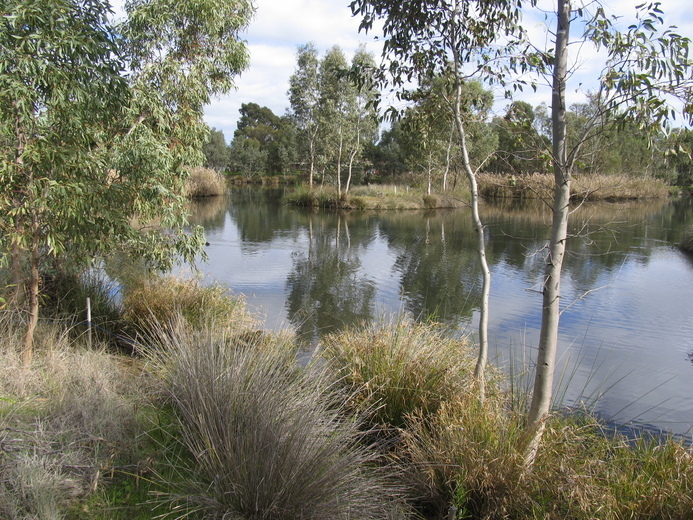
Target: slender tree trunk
{"x": 482, "y": 359}
{"x": 548, "y": 339}
{"x": 339, "y": 163}
{"x": 430, "y": 172}
{"x": 311, "y": 146}
{"x": 34, "y": 283}
{"x": 353, "y": 155}
{"x": 447, "y": 158}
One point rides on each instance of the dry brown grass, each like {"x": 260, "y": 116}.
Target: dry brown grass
{"x": 66, "y": 421}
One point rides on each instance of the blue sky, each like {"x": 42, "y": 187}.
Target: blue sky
{"x": 280, "y": 26}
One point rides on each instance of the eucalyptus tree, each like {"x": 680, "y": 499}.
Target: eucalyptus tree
{"x": 304, "y": 98}
{"x": 456, "y": 40}
{"x": 336, "y": 96}
{"x": 646, "y": 70}
{"x": 97, "y": 125}
{"x": 362, "y": 118}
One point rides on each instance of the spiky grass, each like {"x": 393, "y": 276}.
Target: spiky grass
{"x": 269, "y": 440}
{"x": 399, "y": 368}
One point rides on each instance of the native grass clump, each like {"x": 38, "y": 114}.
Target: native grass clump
{"x": 456, "y": 451}
{"x": 399, "y": 369}
{"x": 167, "y": 299}
{"x": 205, "y": 182}
{"x": 266, "y": 438}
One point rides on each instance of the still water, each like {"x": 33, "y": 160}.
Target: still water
{"x": 627, "y": 291}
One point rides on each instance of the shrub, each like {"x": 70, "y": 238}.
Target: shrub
{"x": 205, "y": 182}
{"x": 267, "y": 439}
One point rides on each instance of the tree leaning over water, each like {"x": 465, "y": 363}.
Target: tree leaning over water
{"x": 97, "y": 126}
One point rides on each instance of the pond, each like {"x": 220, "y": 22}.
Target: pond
{"x": 627, "y": 322}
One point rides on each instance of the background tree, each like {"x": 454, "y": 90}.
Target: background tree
{"x": 362, "y": 118}
{"x": 216, "y": 151}
{"x": 304, "y": 96}
{"x": 336, "y": 96}
{"x": 262, "y": 142}
{"x": 520, "y": 145}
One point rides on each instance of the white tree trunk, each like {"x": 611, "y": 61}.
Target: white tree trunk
{"x": 548, "y": 339}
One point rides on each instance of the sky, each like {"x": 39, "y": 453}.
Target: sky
{"x": 280, "y": 26}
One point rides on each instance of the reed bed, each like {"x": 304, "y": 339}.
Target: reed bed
{"x": 591, "y": 188}
{"x": 205, "y": 182}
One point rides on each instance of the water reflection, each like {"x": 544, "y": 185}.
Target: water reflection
{"x": 626, "y": 289}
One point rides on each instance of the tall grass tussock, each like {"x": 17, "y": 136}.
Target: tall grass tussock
{"x": 166, "y": 299}
{"x": 400, "y": 369}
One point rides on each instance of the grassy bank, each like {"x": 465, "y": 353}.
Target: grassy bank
{"x": 376, "y": 197}
{"x": 213, "y": 418}
{"x": 593, "y": 188}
